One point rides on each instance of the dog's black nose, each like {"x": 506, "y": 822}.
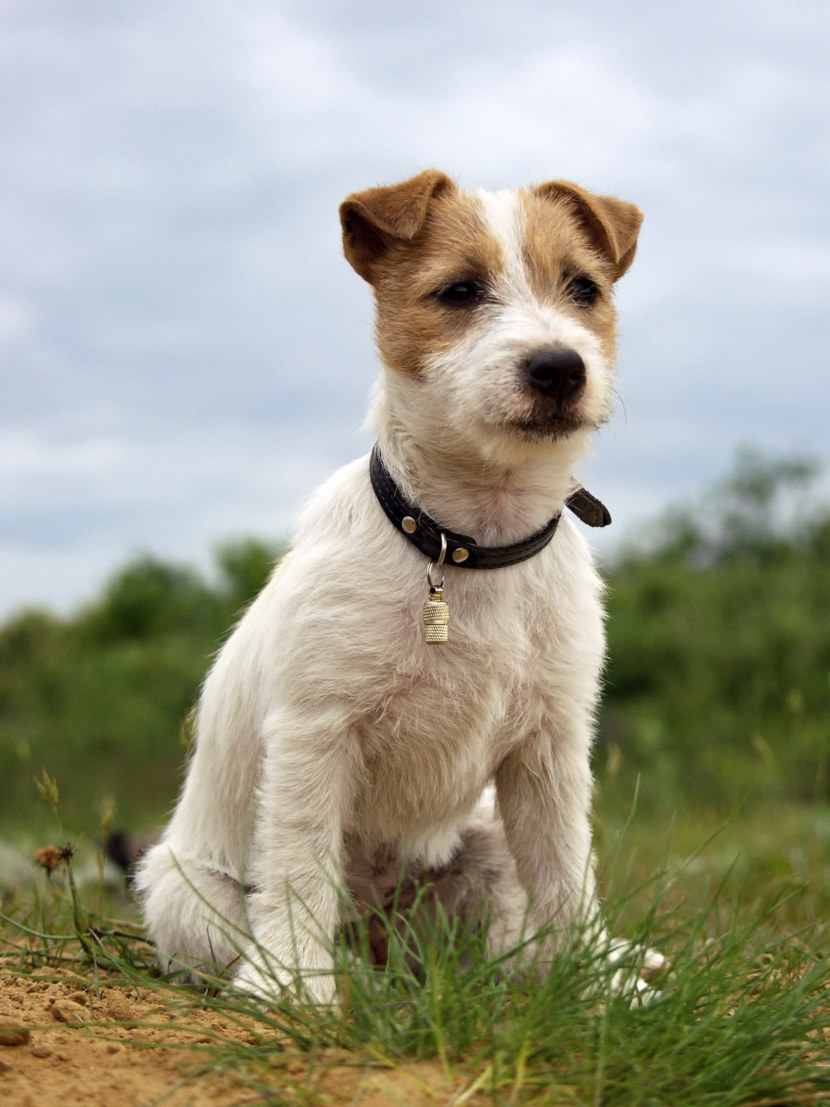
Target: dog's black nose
{"x": 558, "y": 372}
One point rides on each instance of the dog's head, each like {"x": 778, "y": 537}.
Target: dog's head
{"x": 495, "y": 308}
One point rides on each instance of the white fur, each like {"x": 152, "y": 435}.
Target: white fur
{"x": 331, "y": 735}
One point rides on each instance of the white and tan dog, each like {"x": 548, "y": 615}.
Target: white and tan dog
{"x": 335, "y": 746}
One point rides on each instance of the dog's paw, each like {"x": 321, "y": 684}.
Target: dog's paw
{"x": 275, "y": 986}
{"x": 636, "y": 971}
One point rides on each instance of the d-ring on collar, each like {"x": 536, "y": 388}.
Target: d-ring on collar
{"x": 462, "y": 550}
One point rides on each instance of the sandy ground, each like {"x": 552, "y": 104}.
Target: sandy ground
{"x": 71, "y": 1043}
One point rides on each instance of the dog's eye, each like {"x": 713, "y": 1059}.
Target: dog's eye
{"x": 460, "y": 293}
{"x": 583, "y": 291}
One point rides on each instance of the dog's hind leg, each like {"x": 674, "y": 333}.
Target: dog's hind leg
{"x": 195, "y": 913}
{"x": 479, "y": 885}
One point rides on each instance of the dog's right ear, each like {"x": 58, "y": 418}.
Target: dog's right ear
{"x": 371, "y": 220}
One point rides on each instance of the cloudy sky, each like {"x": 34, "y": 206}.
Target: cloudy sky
{"x": 184, "y": 352}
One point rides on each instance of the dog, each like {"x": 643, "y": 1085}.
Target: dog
{"x": 410, "y": 701}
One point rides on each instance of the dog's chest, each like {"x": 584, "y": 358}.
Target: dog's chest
{"x": 448, "y": 714}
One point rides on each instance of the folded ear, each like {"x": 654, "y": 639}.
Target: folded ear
{"x": 612, "y": 225}
{"x": 371, "y": 220}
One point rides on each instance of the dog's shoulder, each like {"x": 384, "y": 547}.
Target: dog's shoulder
{"x": 337, "y": 556}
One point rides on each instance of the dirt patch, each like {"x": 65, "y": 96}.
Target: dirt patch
{"x": 67, "y": 1042}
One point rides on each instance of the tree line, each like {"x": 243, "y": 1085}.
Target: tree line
{"x": 717, "y": 684}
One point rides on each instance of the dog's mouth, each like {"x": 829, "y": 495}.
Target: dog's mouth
{"x": 548, "y": 422}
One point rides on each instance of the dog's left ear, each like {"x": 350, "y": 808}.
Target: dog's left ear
{"x": 373, "y": 219}
{"x": 611, "y": 224}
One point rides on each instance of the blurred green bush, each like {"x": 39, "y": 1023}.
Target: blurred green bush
{"x": 718, "y": 680}
{"x": 717, "y": 686}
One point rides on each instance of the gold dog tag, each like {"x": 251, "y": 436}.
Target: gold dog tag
{"x": 436, "y": 617}
{"x": 436, "y": 612}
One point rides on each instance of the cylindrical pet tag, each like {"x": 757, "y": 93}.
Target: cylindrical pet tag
{"x": 436, "y": 617}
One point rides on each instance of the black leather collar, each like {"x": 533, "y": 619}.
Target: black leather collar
{"x": 462, "y": 550}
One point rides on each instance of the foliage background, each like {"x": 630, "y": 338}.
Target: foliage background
{"x": 718, "y": 681}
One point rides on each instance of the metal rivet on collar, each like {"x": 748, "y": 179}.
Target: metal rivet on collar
{"x": 409, "y": 524}
{"x": 460, "y": 555}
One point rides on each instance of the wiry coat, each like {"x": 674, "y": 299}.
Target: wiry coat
{"x": 334, "y": 745}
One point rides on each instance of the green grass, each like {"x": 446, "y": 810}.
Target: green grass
{"x": 743, "y": 1017}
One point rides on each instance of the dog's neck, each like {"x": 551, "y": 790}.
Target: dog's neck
{"x": 495, "y": 499}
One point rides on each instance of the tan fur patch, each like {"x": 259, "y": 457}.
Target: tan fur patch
{"x": 557, "y": 250}
{"x": 453, "y": 245}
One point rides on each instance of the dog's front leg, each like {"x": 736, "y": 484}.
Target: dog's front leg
{"x": 544, "y": 796}
{"x": 296, "y": 859}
